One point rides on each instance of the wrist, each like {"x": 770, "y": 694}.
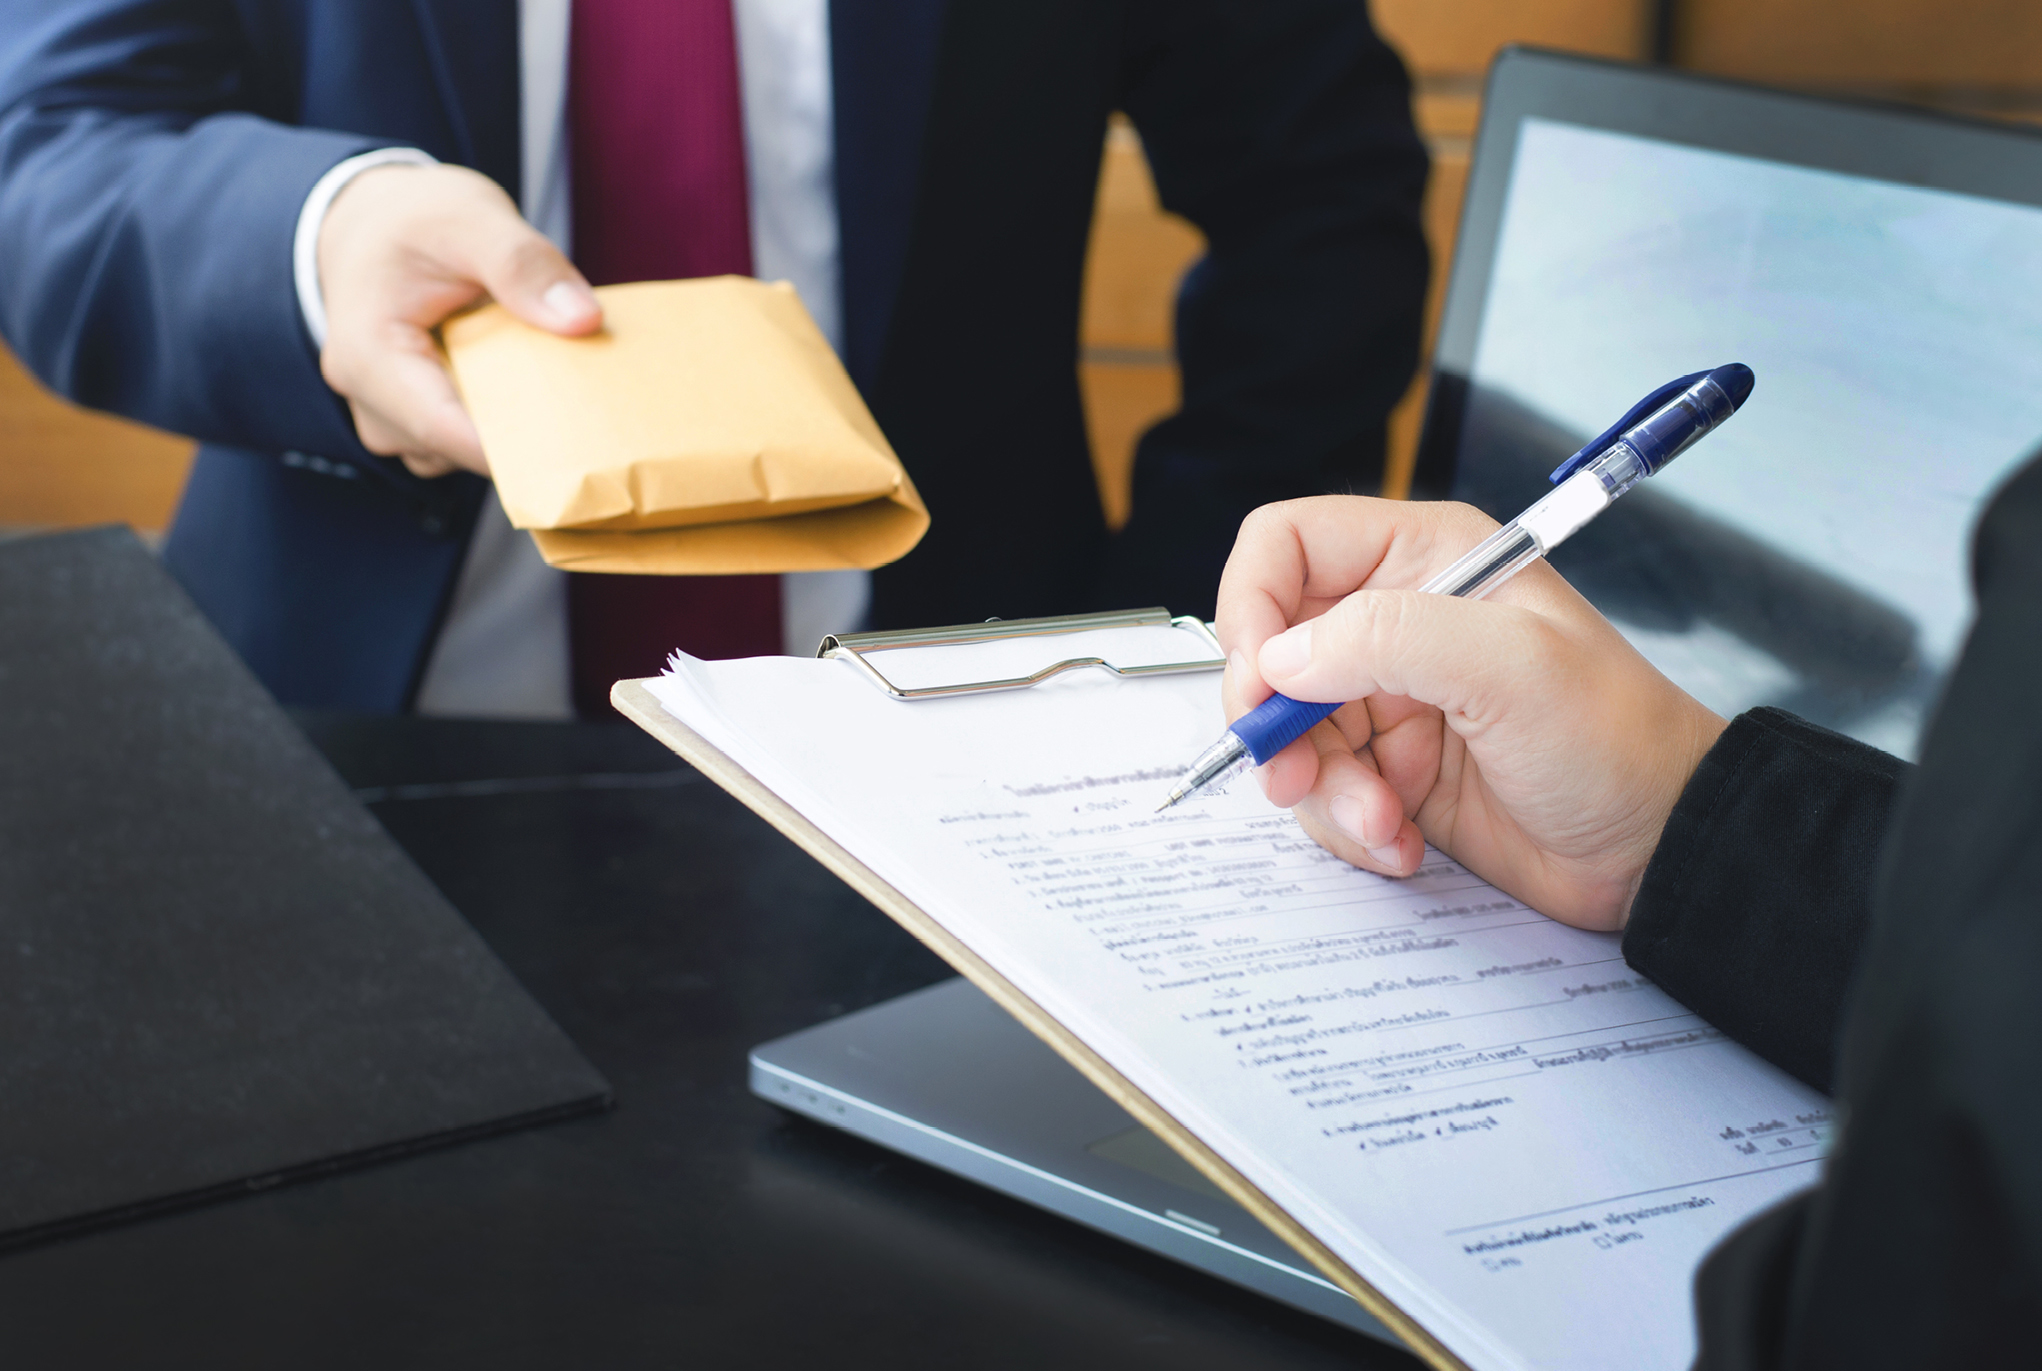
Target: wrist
{"x": 1700, "y": 730}
{"x": 312, "y": 218}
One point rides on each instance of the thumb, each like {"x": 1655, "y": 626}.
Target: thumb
{"x": 531, "y": 278}
{"x": 1467, "y": 657}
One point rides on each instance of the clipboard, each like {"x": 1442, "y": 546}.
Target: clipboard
{"x": 852, "y": 647}
{"x": 636, "y": 703}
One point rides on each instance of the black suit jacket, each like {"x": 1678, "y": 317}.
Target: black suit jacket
{"x": 1280, "y": 129}
{"x": 154, "y": 153}
{"x": 1877, "y": 930}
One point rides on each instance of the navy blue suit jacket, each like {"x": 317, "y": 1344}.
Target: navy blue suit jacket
{"x": 154, "y": 155}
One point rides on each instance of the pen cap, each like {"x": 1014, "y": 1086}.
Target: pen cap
{"x": 1674, "y": 428}
{"x": 1737, "y": 381}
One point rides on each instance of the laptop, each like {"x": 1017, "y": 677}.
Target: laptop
{"x": 1881, "y": 271}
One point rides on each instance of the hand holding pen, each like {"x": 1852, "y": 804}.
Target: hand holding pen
{"x": 1441, "y": 682}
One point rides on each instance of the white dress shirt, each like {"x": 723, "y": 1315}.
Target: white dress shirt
{"x": 502, "y": 650}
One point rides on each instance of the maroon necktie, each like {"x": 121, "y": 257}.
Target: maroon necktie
{"x": 659, "y": 194}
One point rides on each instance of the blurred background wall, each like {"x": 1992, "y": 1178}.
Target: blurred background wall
{"x": 1977, "y": 57}
{"x": 61, "y": 467}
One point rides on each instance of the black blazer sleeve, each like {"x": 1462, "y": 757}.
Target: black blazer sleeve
{"x": 1282, "y": 129}
{"x": 1922, "y": 1244}
{"x": 1756, "y": 903}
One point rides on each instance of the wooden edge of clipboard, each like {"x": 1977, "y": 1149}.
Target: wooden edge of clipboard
{"x": 636, "y": 703}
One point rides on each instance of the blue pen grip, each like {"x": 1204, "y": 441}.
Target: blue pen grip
{"x": 1276, "y": 723}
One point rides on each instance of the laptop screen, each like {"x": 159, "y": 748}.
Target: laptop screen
{"x": 1812, "y": 552}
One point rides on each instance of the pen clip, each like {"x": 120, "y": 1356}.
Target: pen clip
{"x": 1601, "y": 443}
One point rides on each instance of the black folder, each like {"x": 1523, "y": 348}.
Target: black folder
{"x": 217, "y": 972}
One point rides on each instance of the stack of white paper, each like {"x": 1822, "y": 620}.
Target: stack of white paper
{"x": 1487, "y": 1115}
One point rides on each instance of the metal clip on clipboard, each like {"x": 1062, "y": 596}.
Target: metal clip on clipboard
{"x": 852, "y": 647}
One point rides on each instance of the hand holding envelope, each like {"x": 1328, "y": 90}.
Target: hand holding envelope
{"x": 707, "y": 430}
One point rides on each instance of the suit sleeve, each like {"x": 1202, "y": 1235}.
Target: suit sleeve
{"x": 1918, "y": 1248}
{"x": 1282, "y": 129}
{"x": 146, "y": 222}
{"x": 1756, "y": 903}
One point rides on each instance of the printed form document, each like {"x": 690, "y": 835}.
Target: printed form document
{"x": 1488, "y": 1116}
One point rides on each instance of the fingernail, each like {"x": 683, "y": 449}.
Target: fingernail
{"x": 567, "y": 300}
{"x": 1345, "y": 812}
{"x": 1262, "y": 779}
{"x": 1237, "y": 664}
{"x": 1289, "y": 652}
{"x": 1391, "y": 856}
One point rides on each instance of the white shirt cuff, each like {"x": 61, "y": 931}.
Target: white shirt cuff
{"x": 305, "y": 244}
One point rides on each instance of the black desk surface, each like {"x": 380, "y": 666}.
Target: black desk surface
{"x": 667, "y": 930}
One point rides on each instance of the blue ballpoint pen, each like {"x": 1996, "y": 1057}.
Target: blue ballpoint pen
{"x": 1656, "y": 430}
